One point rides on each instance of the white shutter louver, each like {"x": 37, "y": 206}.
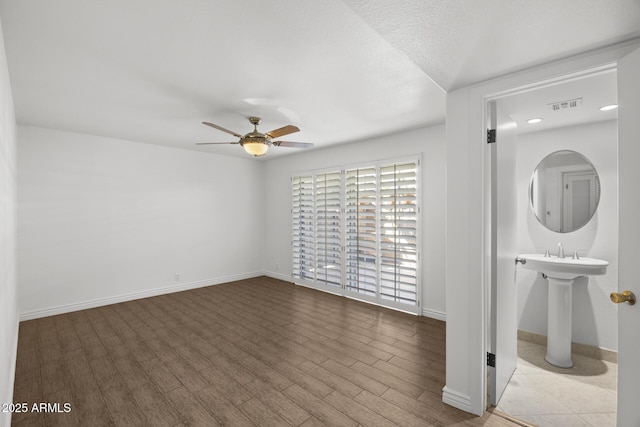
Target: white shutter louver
{"x": 328, "y": 229}
{"x": 398, "y": 232}
{"x": 360, "y": 235}
{"x": 302, "y": 215}
{"x": 356, "y": 232}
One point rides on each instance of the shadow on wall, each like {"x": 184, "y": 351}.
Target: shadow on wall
{"x": 584, "y": 289}
{"x": 536, "y": 303}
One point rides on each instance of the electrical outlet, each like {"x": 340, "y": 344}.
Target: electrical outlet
{"x": 177, "y": 277}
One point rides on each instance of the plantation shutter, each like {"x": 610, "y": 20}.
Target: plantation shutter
{"x": 355, "y": 232}
{"x": 303, "y": 229}
{"x": 398, "y": 232}
{"x": 328, "y": 229}
{"x": 360, "y": 233}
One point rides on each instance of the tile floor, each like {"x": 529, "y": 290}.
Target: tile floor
{"x": 544, "y": 395}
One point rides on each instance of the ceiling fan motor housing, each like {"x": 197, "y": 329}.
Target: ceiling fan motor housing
{"x": 255, "y": 138}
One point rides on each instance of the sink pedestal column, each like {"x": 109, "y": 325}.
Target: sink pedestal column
{"x": 559, "y": 323}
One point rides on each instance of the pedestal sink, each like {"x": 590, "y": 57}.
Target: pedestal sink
{"x": 561, "y": 272}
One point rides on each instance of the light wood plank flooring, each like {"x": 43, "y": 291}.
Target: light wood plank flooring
{"x": 254, "y": 352}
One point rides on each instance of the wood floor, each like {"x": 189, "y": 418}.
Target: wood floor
{"x": 255, "y": 352}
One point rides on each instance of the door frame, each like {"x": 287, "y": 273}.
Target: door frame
{"x": 568, "y": 177}
{"x": 467, "y": 284}
{"x": 491, "y": 168}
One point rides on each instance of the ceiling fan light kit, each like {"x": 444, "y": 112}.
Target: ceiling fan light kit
{"x": 255, "y": 148}
{"x": 256, "y": 143}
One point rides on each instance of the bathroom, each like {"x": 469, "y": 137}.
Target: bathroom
{"x": 571, "y": 120}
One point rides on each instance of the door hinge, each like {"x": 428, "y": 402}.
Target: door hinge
{"x": 491, "y": 360}
{"x": 491, "y": 136}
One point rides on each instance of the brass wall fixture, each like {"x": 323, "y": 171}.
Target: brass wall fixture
{"x": 626, "y": 296}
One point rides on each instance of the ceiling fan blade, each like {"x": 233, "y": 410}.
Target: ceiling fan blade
{"x": 292, "y": 144}
{"x": 285, "y": 130}
{"x": 222, "y": 129}
{"x": 211, "y": 143}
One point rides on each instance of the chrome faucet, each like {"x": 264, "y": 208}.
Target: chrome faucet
{"x": 560, "y": 250}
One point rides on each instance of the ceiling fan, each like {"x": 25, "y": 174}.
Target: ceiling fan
{"x": 256, "y": 143}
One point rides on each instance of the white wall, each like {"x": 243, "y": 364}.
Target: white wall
{"x": 8, "y": 288}
{"x": 594, "y": 317}
{"x": 102, "y": 220}
{"x": 430, "y": 142}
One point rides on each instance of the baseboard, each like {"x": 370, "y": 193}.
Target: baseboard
{"x": 427, "y": 312}
{"x": 278, "y": 276}
{"x": 456, "y": 399}
{"x": 68, "y": 308}
{"x": 576, "y": 348}
{"x": 434, "y": 314}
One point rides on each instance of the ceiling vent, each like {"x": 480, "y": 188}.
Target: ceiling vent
{"x": 565, "y": 105}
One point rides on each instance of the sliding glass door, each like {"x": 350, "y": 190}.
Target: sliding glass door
{"x": 355, "y": 232}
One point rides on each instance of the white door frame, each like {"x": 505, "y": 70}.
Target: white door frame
{"x": 567, "y": 195}
{"x": 466, "y": 182}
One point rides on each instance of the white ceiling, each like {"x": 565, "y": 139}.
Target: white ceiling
{"x": 590, "y": 93}
{"x": 151, "y": 71}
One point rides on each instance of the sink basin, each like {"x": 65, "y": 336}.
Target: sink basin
{"x": 564, "y": 268}
{"x": 560, "y": 273}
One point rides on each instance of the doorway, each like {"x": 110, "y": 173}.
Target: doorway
{"x": 572, "y": 121}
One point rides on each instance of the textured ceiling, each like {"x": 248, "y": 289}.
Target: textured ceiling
{"x": 460, "y": 42}
{"x": 151, "y": 71}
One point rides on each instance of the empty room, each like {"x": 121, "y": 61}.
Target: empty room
{"x": 301, "y": 213}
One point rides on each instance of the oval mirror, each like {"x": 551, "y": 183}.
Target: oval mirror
{"x": 564, "y": 191}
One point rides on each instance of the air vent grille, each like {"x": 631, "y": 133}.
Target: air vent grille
{"x": 565, "y": 105}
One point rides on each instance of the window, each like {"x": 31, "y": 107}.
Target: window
{"x": 355, "y": 232}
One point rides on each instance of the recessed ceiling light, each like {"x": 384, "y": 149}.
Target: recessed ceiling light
{"x": 534, "y": 121}
{"x": 609, "y": 107}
